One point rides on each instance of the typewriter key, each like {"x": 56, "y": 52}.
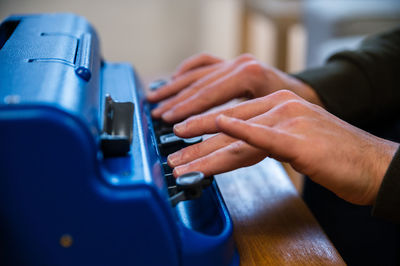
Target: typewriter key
{"x": 167, "y": 169}
{"x": 161, "y": 127}
{"x": 189, "y": 185}
{"x": 190, "y": 180}
{"x": 170, "y": 143}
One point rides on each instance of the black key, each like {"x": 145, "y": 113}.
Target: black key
{"x": 167, "y": 169}
{"x": 189, "y": 186}
{"x": 171, "y": 143}
{"x": 161, "y": 127}
{"x": 191, "y": 180}
{"x": 170, "y": 179}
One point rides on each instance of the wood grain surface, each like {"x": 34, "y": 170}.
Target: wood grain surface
{"x": 272, "y": 224}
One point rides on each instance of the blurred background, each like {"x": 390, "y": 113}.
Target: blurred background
{"x": 156, "y": 35}
{"x": 153, "y": 35}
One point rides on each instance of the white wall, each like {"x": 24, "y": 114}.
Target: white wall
{"x": 154, "y": 35}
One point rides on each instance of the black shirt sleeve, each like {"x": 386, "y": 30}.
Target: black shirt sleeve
{"x": 387, "y": 203}
{"x": 361, "y": 86}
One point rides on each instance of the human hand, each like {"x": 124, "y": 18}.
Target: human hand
{"x": 204, "y": 81}
{"x": 344, "y": 159}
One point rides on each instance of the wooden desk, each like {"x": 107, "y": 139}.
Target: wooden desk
{"x": 272, "y": 224}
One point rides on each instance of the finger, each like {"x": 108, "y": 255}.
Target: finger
{"x": 281, "y": 116}
{"x": 224, "y": 69}
{"x": 195, "y": 62}
{"x": 206, "y": 59}
{"x": 236, "y": 155}
{"x": 216, "y": 93}
{"x": 277, "y": 143}
{"x": 205, "y": 123}
{"x": 232, "y": 85}
{"x": 199, "y": 150}
{"x": 177, "y": 85}
{"x": 191, "y": 90}
{"x": 219, "y": 141}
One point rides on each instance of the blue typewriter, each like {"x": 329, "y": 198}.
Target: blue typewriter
{"x": 83, "y": 172}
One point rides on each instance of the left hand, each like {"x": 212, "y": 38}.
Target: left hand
{"x": 344, "y": 159}
{"x": 204, "y": 81}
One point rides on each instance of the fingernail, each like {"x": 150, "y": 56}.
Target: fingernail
{"x": 179, "y": 170}
{"x": 156, "y": 112}
{"x": 151, "y": 94}
{"x": 179, "y": 128}
{"x": 168, "y": 115}
{"x": 173, "y": 159}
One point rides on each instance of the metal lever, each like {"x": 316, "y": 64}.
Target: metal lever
{"x": 84, "y": 57}
{"x": 118, "y": 127}
{"x": 190, "y": 186}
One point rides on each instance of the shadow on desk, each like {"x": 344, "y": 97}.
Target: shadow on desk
{"x": 359, "y": 237}
{"x": 272, "y": 225}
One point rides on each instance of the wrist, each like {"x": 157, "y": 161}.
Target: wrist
{"x": 303, "y": 90}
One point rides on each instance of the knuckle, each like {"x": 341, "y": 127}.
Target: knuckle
{"x": 297, "y": 122}
{"x": 244, "y": 57}
{"x": 196, "y": 58}
{"x": 293, "y": 107}
{"x": 284, "y": 94}
{"x": 252, "y": 69}
{"x": 205, "y": 55}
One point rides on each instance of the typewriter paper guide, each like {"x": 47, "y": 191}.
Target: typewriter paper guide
{"x": 66, "y": 203}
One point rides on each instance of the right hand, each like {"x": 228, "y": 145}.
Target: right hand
{"x": 204, "y": 81}
{"x": 346, "y": 160}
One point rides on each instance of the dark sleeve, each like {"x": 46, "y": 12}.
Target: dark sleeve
{"x": 361, "y": 86}
{"x": 387, "y": 203}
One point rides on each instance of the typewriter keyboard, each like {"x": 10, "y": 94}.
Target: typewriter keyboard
{"x": 190, "y": 185}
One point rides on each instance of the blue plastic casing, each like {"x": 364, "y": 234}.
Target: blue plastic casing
{"x": 61, "y": 202}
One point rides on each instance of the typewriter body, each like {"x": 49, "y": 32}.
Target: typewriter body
{"x": 83, "y": 174}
